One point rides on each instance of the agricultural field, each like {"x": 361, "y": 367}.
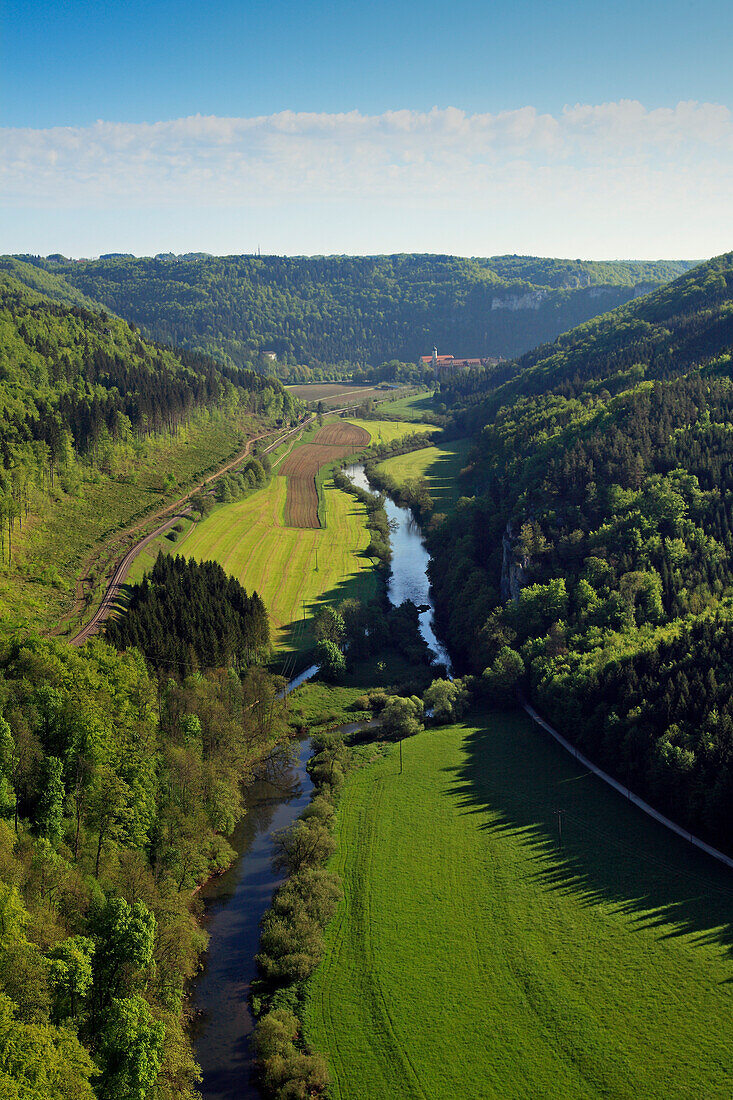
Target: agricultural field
{"x": 386, "y": 431}
{"x": 294, "y": 569}
{"x": 410, "y": 408}
{"x": 474, "y": 956}
{"x": 335, "y": 393}
{"x": 439, "y": 465}
{"x": 333, "y": 441}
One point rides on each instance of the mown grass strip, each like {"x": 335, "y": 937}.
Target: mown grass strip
{"x": 439, "y": 465}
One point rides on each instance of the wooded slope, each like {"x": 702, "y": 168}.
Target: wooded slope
{"x": 326, "y": 310}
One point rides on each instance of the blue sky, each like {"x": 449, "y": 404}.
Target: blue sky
{"x": 336, "y": 146}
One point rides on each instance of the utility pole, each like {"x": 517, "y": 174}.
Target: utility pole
{"x": 559, "y": 826}
{"x": 400, "y": 756}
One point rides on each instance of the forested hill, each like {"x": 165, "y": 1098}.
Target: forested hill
{"x": 594, "y": 564}
{"x": 75, "y": 383}
{"x": 683, "y": 324}
{"x": 341, "y": 309}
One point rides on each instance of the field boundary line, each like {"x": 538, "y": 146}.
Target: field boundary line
{"x": 626, "y": 791}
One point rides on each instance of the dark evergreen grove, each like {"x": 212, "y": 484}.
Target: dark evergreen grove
{"x": 593, "y": 563}
{"x": 189, "y": 615}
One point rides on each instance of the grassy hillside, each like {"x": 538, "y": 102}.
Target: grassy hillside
{"x": 328, "y": 310}
{"x": 473, "y": 956}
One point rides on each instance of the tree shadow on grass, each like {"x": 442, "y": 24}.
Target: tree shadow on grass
{"x": 611, "y": 853}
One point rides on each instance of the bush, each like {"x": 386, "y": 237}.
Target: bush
{"x": 501, "y": 680}
{"x": 302, "y": 844}
{"x": 402, "y": 717}
{"x": 447, "y": 699}
{"x": 330, "y": 660}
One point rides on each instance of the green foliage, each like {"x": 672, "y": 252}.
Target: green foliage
{"x": 501, "y": 680}
{"x": 40, "y": 1062}
{"x": 600, "y": 529}
{"x": 50, "y": 809}
{"x": 448, "y": 700}
{"x": 191, "y": 615}
{"x": 379, "y": 309}
{"x": 330, "y": 660}
{"x": 402, "y": 717}
{"x": 128, "y": 804}
{"x": 130, "y": 1051}
{"x": 329, "y": 626}
{"x": 287, "y": 1072}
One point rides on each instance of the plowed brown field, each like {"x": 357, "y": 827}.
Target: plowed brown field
{"x": 332, "y": 442}
{"x": 340, "y": 433}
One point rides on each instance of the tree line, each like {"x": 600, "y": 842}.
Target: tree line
{"x": 326, "y": 311}
{"x": 592, "y": 565}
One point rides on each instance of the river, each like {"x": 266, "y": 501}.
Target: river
{"x": 236, "y": 901}
{"x": 408, "y": 578}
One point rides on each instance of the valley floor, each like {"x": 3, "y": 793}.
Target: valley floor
{"x": 473, "y": 956}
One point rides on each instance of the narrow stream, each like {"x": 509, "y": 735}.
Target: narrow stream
{"x": 236, "y": 901}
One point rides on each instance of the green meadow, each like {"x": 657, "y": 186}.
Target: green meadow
{"x": 294, "y": 569}
{"x": 408, "y": 408}
{"x": 474, "y": 956}
{"x": 440, "y": 465}
{"x": 386, "y": 431}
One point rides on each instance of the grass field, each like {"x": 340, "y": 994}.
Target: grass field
{"x": 384, "y": 431}
{"x": 473, "y": 957}
{"x": 440, "y": 465}
{"x": 293, "y": 569}
{"x": 408, "y": 408}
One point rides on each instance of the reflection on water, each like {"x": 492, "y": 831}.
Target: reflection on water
{"x": 235, "y": 902}
{"x": 408, "y": 579}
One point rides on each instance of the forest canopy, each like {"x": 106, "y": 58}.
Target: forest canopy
{"x": 602, "y": 480}
{"x": 353, "y": 310}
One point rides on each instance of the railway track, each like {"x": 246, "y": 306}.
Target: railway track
{"x": 177, "y": 510}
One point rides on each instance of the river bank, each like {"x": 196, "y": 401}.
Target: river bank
{"x": 236, "y": 901}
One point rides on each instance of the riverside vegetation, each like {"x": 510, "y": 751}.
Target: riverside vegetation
{"x": 117, "y": 788}
{"x": 565, "y": 563}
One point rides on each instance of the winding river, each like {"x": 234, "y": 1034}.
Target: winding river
{"x": 235, "y": 902}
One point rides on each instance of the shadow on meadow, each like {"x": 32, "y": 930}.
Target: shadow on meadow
{"x": 611, "y": 854}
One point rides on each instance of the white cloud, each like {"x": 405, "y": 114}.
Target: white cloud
{"x": 612, "y": 165}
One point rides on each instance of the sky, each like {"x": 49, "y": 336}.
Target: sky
{"x": 474, "y": 128}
